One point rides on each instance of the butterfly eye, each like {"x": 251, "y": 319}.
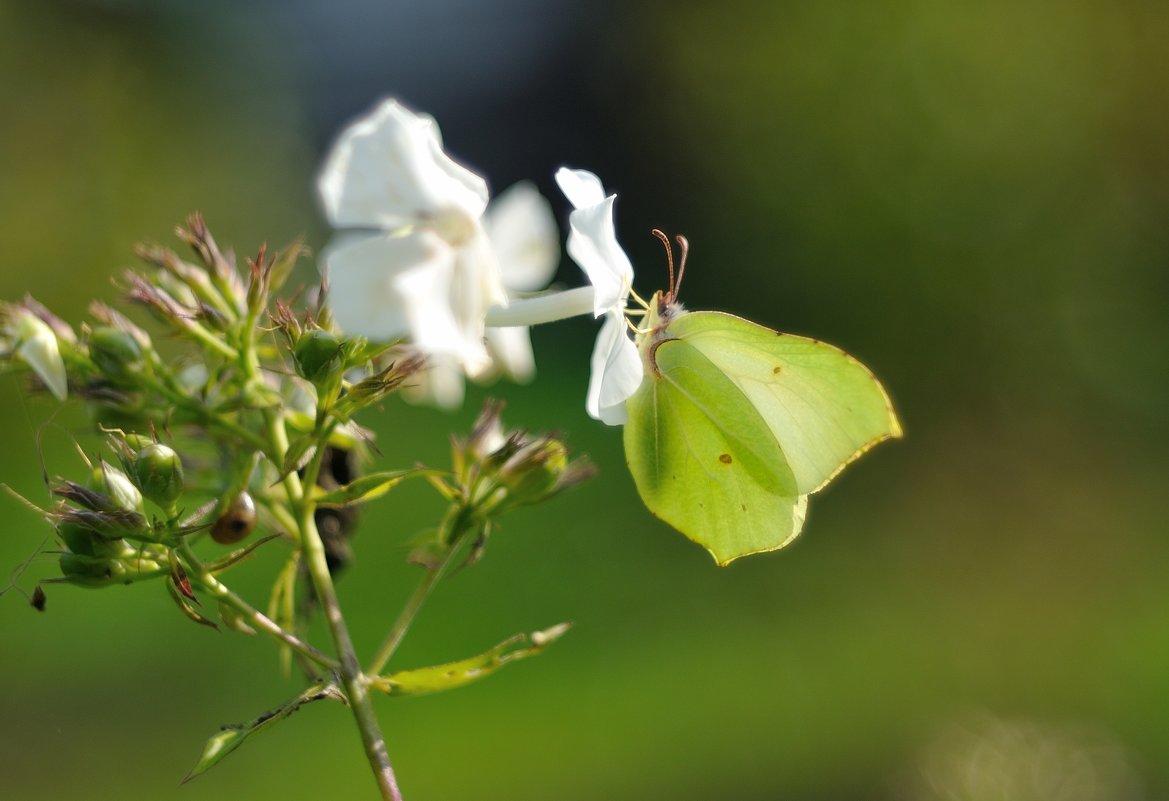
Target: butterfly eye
{"x": 237, "y": 521}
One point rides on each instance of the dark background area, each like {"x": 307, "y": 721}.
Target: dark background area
{"x": 971, "y": 198}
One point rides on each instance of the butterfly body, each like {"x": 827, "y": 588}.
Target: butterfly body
{"x": 735, "y": 425}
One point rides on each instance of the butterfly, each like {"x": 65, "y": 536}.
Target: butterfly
{"x": 735, "y": 425}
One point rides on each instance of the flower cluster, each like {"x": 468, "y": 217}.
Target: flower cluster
{"x": 422, "y": 254}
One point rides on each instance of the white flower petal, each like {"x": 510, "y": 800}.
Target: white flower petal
{"x": 384, "y": 287}
{"x": 592, "y": 243}
{"x": 523, "y": 234}
{"x": 387, "y": 170}
{"x": 439, "y": 384}
{"x": 581, "y": 187}
{"x": 616, "y": 371}
{"x": 476, "y": 286}
{"x": 511, "y": 353}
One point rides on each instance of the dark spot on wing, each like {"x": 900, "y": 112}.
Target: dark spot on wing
{"x": 725, "y": 458}
{"x": 776, "y": 370}
{"x": 743, "y": 506}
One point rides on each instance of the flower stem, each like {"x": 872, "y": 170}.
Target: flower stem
{"x": 406, "y": 617}
{"x": 354, "y": 681}
{"x": 252, "y": 615}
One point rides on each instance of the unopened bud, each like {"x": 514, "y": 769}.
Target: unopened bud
{"x": 534, "y": 470}
{"x": 85, "y": 541}
{"x": 119, "y": 487}
{"x": 87, "y": 571}
{"x": 36, "y": 345}
{"x": 115, "y": 352}
{"x": 317, "y": 354}
{"x": 159, "y": 471}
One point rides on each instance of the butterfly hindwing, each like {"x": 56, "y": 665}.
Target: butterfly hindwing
{"x": 705, "y": 461}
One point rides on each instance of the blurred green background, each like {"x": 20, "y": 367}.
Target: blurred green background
{"x": 971, "y": 198}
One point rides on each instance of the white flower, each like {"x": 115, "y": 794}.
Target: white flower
{"x": 413, "y": 259}
{"x": 33, "y": 342}
{"x": 521, "y": 230}
{"x": 592, "y": 243}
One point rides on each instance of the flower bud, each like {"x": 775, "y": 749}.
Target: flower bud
{"x": 115, "y": 352}
{"x": 85, "y": 541}
{"x": 116, "y": 484}
{"x": 87, "y": 571}
{"x": 534, "y": 471}
{"x": 317, "y": 354}
{"x": 159, "y": 471}
{"x": 34, "y": 342}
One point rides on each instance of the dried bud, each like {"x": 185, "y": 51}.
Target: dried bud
{"x": 487, "y": 435}
{"x": 159, "y": 471}
{"x": 534, "y": 471}
{"x": 317, "y": 354}
{"x": 116, "y": 353}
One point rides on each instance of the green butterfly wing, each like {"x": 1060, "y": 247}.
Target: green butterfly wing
{"x": 823, "y": 407}
{"x": 705, "y": 461}
{"x": 736, "y": 424}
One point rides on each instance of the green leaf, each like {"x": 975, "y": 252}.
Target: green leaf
{"x": 370, "y": 487}
{"x": 735, "y": 425}
{"x": 456, "y": 674}
{"x": 233, "y": 736}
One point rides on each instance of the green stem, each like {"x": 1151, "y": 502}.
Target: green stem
{"x": 406, "y": 617}
{"x": 355, "y": 682}
{"x": 254, "y": 616}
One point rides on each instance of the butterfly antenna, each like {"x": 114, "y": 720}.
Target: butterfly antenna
{"x": 683, "y": 250}
{"x": 669, "y": 258}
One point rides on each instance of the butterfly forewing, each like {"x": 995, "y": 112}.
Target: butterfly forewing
{"x": 823, "y": 407}
{"x": 705, "y": 461}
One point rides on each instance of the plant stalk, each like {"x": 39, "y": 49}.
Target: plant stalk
{"x": 406, "y": 617}
{"x": 354, "y": 681}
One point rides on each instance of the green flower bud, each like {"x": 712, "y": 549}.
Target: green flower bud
{"x": 87, "y": 571}
{"x": 115, "y": 352}
{"x": 317, "y": 354}
{"x": 77, "y": 539}
{"x": 34, "y": 342}
{"x": 159, "y": 471}
{"x": 118, "y": 486}
{"x": 84, "y": 541}
{"x": 534, "y": 471}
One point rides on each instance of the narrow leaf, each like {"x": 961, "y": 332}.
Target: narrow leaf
{"x": 232, "y": 736}
{"x": 455, "y": 674}
{"x": 369, "y": 487}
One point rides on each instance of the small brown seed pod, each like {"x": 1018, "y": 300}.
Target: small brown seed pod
{"x": 237, "y": 521}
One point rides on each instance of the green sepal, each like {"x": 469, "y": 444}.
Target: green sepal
{"x": 233, "y": 735}
{"x": 456, "y": 674}
{"x": 369, "y": 487}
